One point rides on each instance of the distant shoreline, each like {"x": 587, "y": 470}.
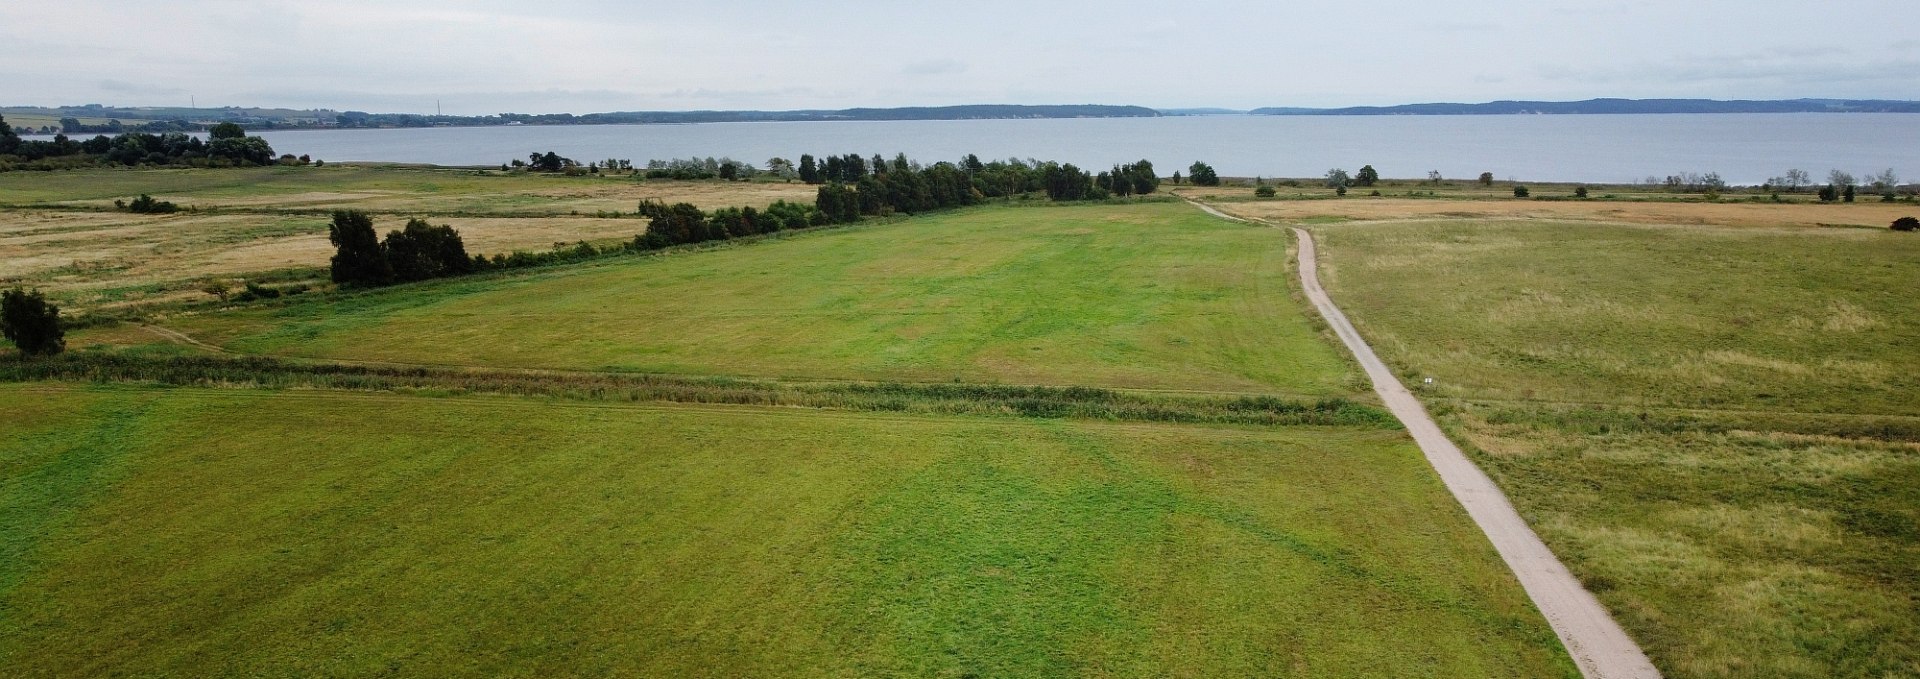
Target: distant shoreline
{"x": 94, "y": 119}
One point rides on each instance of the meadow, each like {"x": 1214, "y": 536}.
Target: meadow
{"x": 1146, "y": 296}
{"x": 812, "y": 454}
{"x": 295, "y": 533}
{"x": 1714, "y": 426}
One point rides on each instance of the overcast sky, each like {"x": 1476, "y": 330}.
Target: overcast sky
{"x": 583, "y": 56}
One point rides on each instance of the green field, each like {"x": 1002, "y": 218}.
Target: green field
{"x": 1714, "y": 427}
{"x": 1152, "y": 296}
{"x": 327, "y": 533}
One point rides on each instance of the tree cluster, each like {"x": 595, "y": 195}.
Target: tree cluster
{"x": 1202, "y": 174}
{"x": 227, "y": 146}
{"x": 31, "y": 323}
{"x": 1129, "y": 179}
{"x": 417, "y": 252}
{"x": 683, "y": 223}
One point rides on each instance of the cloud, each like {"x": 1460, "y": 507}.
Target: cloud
{"x": 124, "y": 87}
{"x": 934, "y": 67}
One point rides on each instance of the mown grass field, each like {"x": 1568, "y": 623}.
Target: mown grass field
{"x": 1715, "y": 427}
{"x": 291, "y": 533}
{"x": 1150, "y": 296}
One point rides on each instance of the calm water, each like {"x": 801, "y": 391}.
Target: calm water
{"x": 1743, "y": 148}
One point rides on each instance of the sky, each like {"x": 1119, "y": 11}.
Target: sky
{"x": 579, "y": 56}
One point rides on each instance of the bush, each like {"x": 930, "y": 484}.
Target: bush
{"x": 31, "y": 323}
{"x": 146, "y": 205}
{"x": 1580, "y": 192}
{"x": 1829, "y": 194}
{"x": 1340, "y": 191}
{"x": 1263, "y": 192}
{"x": 1520, "y": 192}
{"x": 1906, "y": 224}
{"x": 1486, "y": 179}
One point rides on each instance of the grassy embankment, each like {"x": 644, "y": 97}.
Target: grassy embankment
{"x": 1714, "y": 426}
{"x": 286, "y": 529}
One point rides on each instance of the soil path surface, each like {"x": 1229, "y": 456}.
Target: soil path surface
{"x": 1595, "y": 641}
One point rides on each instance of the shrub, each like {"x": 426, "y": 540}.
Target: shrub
{"x": 1906, "y": 224}
{"x": 1520, "y": 192}
{"x": 31, "y": 323}
{"x": 1263, "y": 192}
{"x": 1486, "y": 179}
{"x": 1340, "y": 191}
{"x": 1829, "y": 194}
{"x": 1580, "y": 192}
{"x": 146, "y": 205}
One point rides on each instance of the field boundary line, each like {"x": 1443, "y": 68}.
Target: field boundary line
{"x": 1598, "y": 645}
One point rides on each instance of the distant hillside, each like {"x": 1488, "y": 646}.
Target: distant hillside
{"x": 94, "y": 118}
{"x": 1613, "y": 106}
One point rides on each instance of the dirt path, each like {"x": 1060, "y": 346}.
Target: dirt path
{"x": 1595, "y": 641}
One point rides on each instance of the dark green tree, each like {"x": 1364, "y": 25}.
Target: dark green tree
{"x": 227, "y": 131}
{"x": 421, "y": 251}
{"x": 1366, "y": 176}
{"x": 809, "y": 171}
{"x": 1202, "y": 174}
{"x": 31, "y": 323}
{"x": 1520, "y": 192}
{"x": 9, "y": 140}
{"x": 1906, "y": 224}
{"x": 1486, "y": 179}
{"x": 1847, "y": 194}
{"x": 358, "y": 258}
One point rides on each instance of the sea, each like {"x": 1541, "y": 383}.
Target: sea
{"x": 1743, "y": 149}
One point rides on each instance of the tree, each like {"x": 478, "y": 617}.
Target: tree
{"x": 421, "y": 251}
{"x": 1885, "y": 180}
{"x": 1580, "y": 192}
{"x": 1337, "y": 179}
{"x": 242, "y": 150}
{"x": 358, "y": 258}
{"x": 1433, "y": 176}
{"x": 1839, "y": 179}
{"x": 782, "y": 168}
{"x": 1367, "y": 176}
{"x": 1847, "y": 194}
{"x": 1906, "y": 224}
{"x": 1795, "y": 180}
{"x": 227, "y": 131}
{"x": 31, "y": 323}
{"x": 1828, "y": 194}
{"x": 1486, "y": 179}
{"x": 1520, "y": 192}
{"x": 809, "y": 171}
{"x": 9, "y": 140}
{"x": 1176, "y": 177}
{"x": 1202, "y": 174}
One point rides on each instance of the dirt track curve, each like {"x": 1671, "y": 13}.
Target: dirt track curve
{"x": 1595, "y": 641}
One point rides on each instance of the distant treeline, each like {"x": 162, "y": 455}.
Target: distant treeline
{"x": 971, "y": 112}
{"x": 1615, "y": 106}
{"x": 227, "y": 146}
{"x": 851, "y": 187}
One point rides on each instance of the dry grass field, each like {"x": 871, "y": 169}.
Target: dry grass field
{"x": 1713, "y": 425}
{"x": 62, "y": 234}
